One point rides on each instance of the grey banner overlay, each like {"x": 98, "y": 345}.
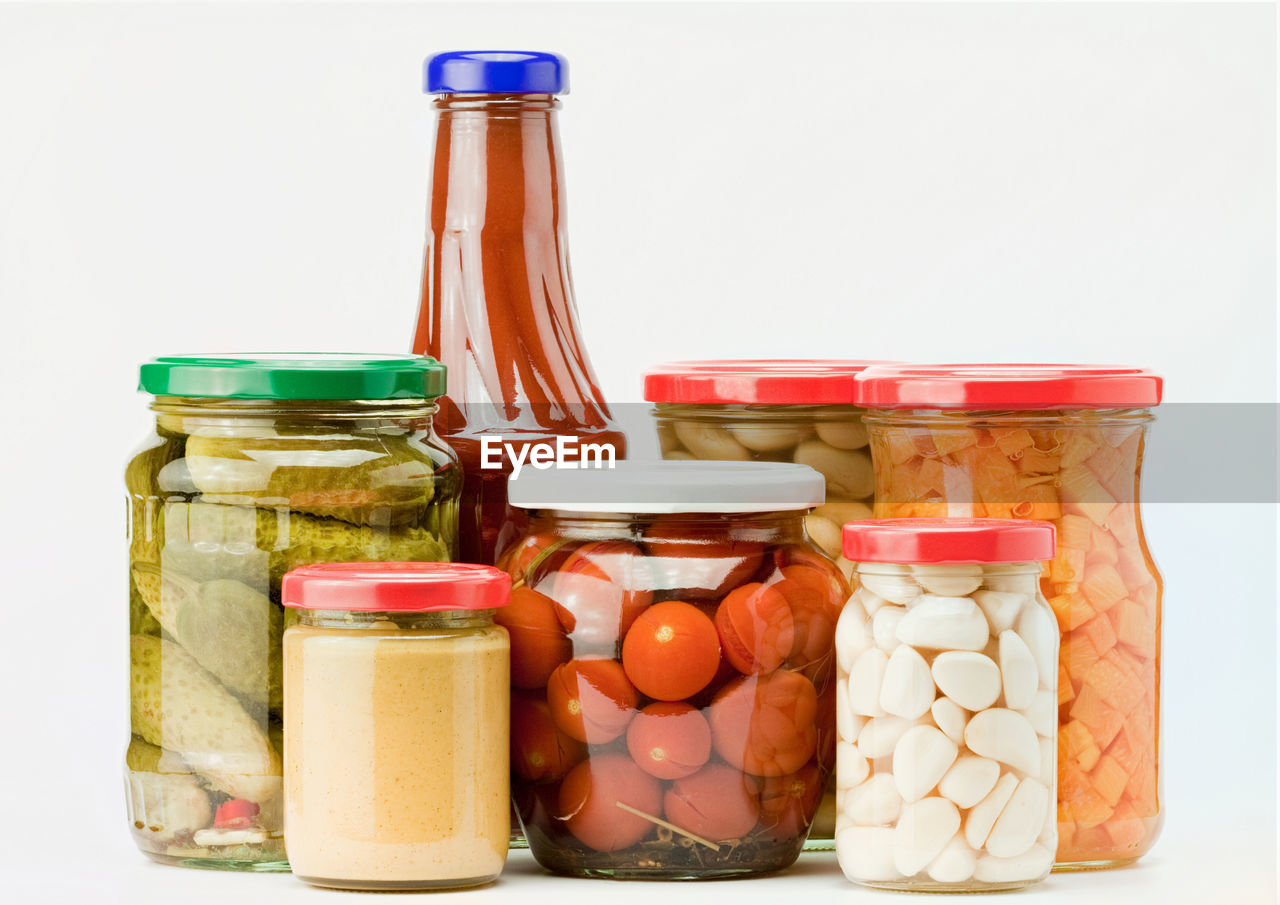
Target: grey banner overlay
{"x": 1194, "y": 452}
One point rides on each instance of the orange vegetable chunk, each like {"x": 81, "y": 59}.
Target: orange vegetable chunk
{"x": 1109, "y": 779}
{"x": 1103, "y": 586}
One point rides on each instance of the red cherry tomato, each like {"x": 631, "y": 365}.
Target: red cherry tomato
{"x": 696, "y": 561}
{"x": 815, "y": 599}
{"x": 766, "y": 725}
{"x": 757, "y": 629}
{"x": 517, "y": 558}
{"x": 589, "y": 799}
{"x": 671, "y": 651}
{"x": 788, "y": 803}
{"x": 669, "y": 741}
{"x": 540, "y": 752}
{"x": 717, "y": 803}
{"x": 599, "y": 591}
{"x": 591, "y": 700}
{"x": 538, "y": 643}
{"x": 801, "y": 555}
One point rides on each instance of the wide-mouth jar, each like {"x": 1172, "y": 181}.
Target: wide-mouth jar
{"x": 946, "y": 708}
{"x": 257, "y": 464}
{"x": 396, "y": 725}
{"x": 672, "y": 668}
{"x": 1062, "y": 443}
{"x": 775, "y": 410}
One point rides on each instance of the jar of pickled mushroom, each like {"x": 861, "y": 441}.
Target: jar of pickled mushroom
{"x": 1063, "y": 443}
{"x": 673, "y": 698}
{"x": 396, "y": 721}
{"x": 258, "y": 464}
{"x": 946, "y": 706}
{"x": 798, "y": 410}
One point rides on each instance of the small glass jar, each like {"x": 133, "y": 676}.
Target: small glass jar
{"x": 672, "y": 665}
{"x": 257, "y": 465}
{"x": 1062, "y": 443}
{"x": 396, "y": 725}
{"x": 947, "y": 706}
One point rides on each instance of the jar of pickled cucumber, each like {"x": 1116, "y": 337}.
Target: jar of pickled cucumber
{"x": 258, "y": 464}
{"x": 799, "y": 410}
{"x": 1065, "y": 444}
{"x": 673, "y": 676}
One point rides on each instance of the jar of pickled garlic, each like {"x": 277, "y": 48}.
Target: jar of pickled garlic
{"x": 1063, "y": 443}
{"x": 257, "y": 464}
{"x": 672, "y": 669}
{"x": 946, "y": 706}
{"x": 396, "y": 719}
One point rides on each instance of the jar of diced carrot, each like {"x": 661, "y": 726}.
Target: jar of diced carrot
{"x": 1062, "y": 443}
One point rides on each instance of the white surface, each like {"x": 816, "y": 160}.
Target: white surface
{"x": 1084, "y": 182}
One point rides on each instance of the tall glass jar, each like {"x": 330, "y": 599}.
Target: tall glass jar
{"x": 947, "y": 706}
{"x": 1063, "y": 443}
{"x": 257, "y": 465}
{"x": 775, "y": 410}
{"x": 396, "y": 722}
{"x": 671, "y": 640}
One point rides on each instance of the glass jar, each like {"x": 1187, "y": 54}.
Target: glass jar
{"x": 396, "y": 725}
{"x": 1063, "y": 443}
{"x": 946, "y": 708}
{"x": 769, "y": 410}
{"x": 258, "y": 465}
{"x": 671, "y": 640}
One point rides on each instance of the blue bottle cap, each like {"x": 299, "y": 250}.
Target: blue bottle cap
{"x": 496, "y": 72}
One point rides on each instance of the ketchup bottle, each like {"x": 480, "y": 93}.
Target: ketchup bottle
{"x": 497, "y": 300}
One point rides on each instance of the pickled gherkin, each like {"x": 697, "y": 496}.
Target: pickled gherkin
{"x": 176, "y": 704}
{"x": 243, "y": 480}
{"x": 232, "y": 630}
{"x": 365, "y": 479}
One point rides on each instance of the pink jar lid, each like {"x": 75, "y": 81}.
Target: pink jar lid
{"x": 996, "y": 387}
{"x": 949, "y": 540}
{"x": 758, "y": 381}
{"x": 411, "y": 587}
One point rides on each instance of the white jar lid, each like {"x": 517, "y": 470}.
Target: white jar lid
{"x": 670, "y": 487}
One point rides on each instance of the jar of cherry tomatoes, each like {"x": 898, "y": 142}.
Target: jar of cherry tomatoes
{"x": 1062, "y": 443}
{"x": 672, "y": 666}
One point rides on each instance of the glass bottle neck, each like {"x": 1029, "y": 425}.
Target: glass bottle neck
{"x": 497, "y": 297}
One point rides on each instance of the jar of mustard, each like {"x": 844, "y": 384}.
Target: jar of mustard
{"x": 396, "y": 725}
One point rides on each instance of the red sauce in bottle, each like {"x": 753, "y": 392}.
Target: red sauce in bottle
{"x": 497, "y": 300}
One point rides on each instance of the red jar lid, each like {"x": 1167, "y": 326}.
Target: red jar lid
{"x": 761, "y": 381}
{"x": 994, "y": 387}
{"x": 411, "y": 587}
{"x": 949, "y": 540}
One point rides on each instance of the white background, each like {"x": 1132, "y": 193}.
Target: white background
{"x": 1085, "y": 182}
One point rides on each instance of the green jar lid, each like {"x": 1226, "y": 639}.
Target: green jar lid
{"x": 327, "y": 375}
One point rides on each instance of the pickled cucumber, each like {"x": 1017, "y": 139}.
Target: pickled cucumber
{"x": 145, "y": 757}
{"x": 232, "y": 630}
{"x": 204, "y": 541}
{"x": 374, "y": 479}
{"x": 177, "y": 705}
